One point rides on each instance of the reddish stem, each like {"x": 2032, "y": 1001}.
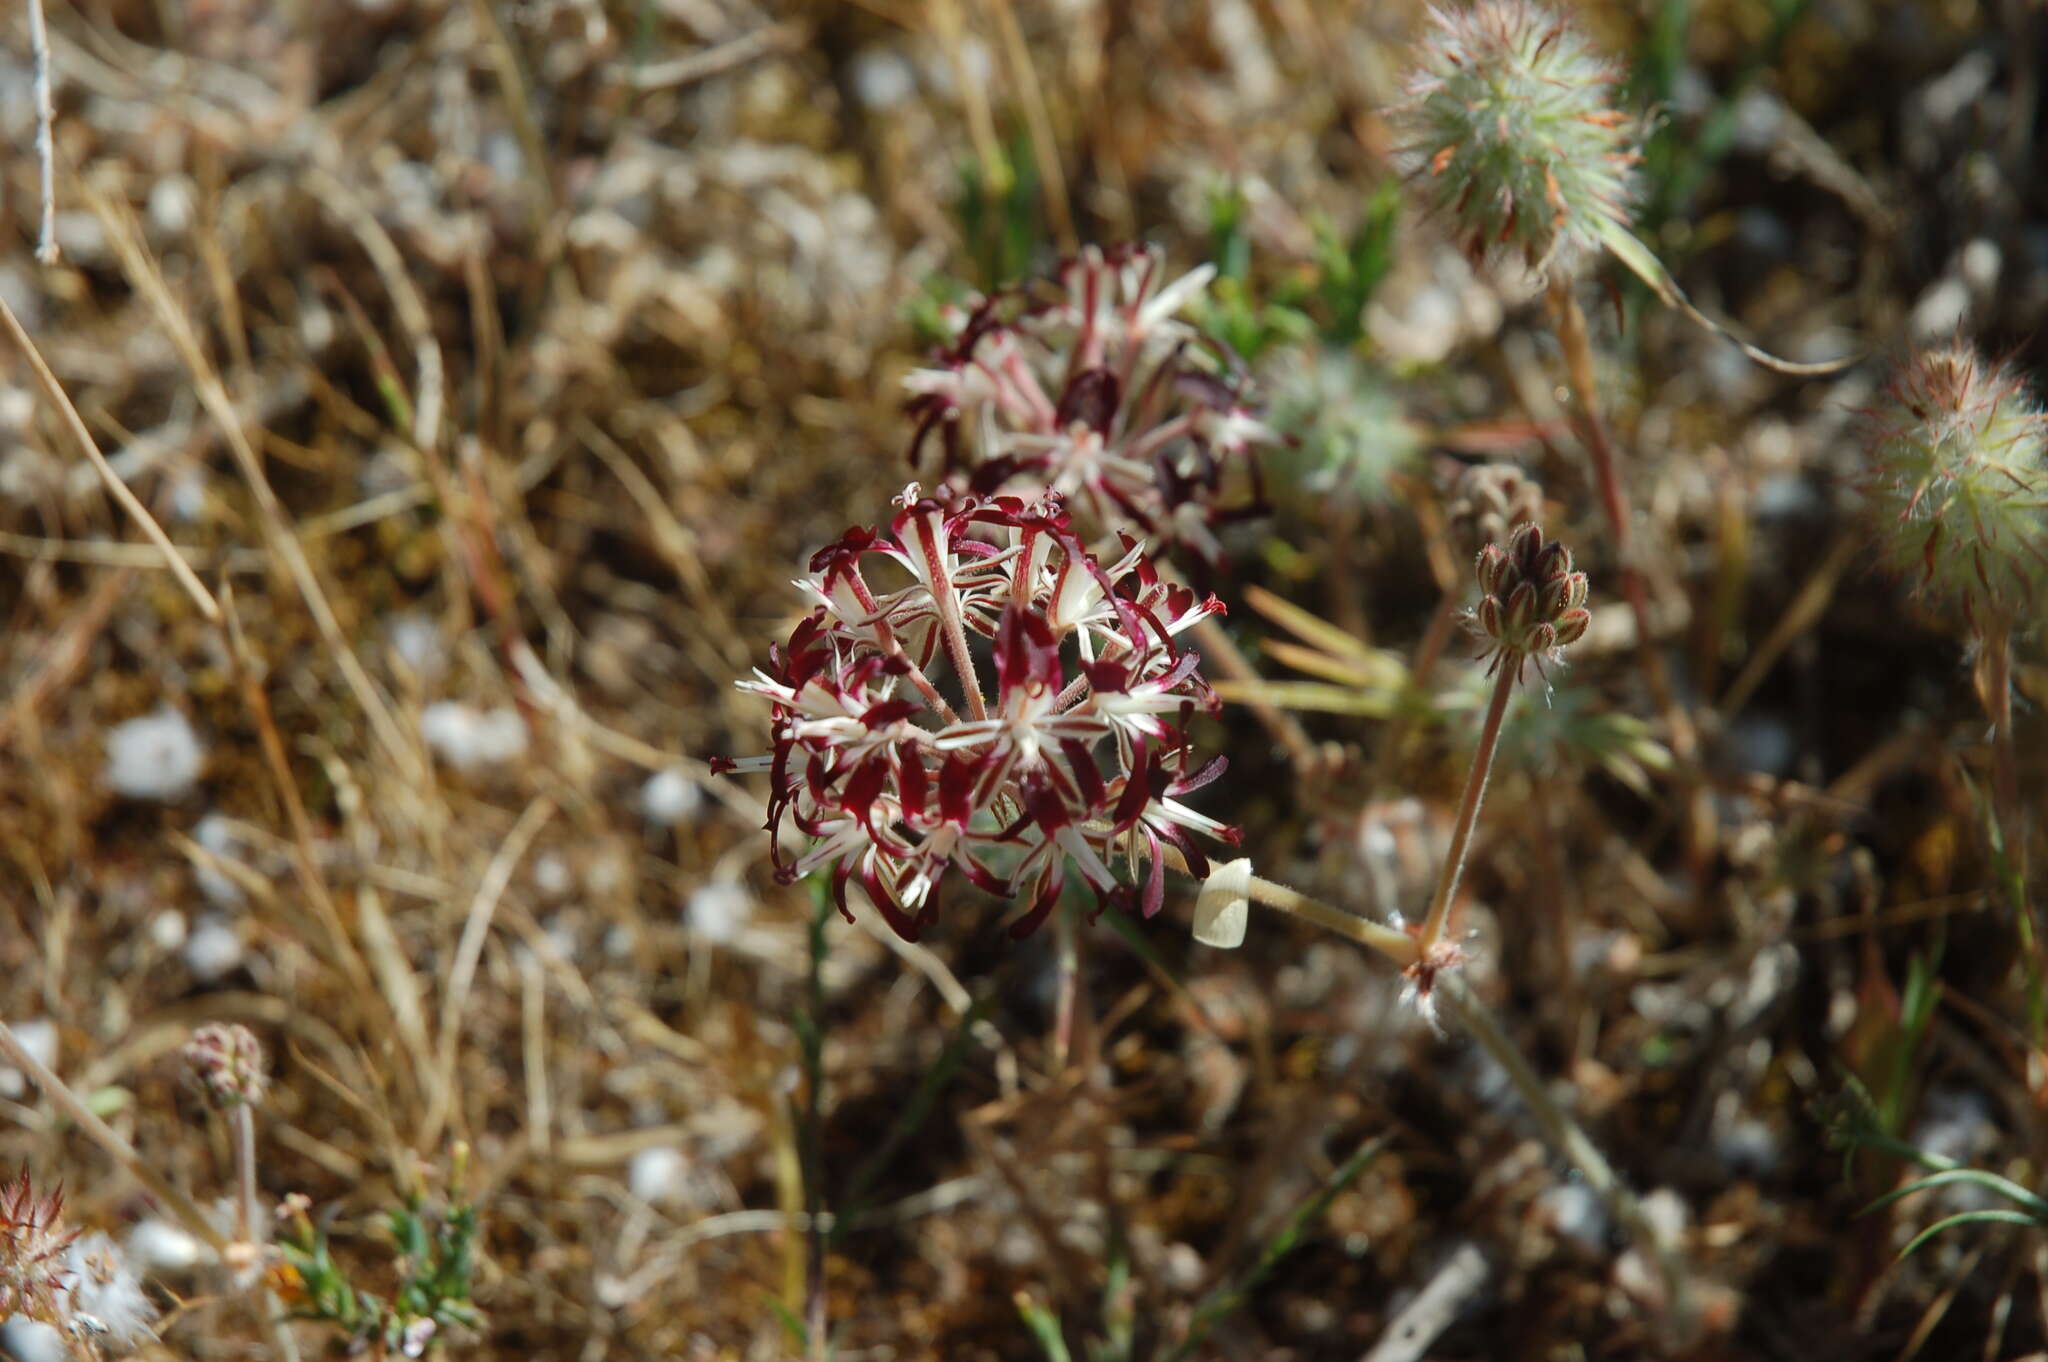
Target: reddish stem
{"x": 1468, "y": 808}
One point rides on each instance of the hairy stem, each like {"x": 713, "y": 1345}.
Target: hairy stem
{"x": 1570, "y": 321}
{"x": 1994, "y": 680}
{"x": 1397, "y": 946}
{"x": 1468, "y": 808}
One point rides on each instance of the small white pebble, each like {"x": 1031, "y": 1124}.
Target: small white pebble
{"x": 157, "y": 756}
{"x": 417, "y": 640}
{"x": 1979, "y": 264}
{"x": 719, "y": 910}
{"x": 660, "y": 1176}
{"x": 469, "y": 739}
{"x": 38, "y": 1036}
{"x": 551, "y": 875}
{"x": 172, "y": 200}
{"x": 1747, "y": 1147}
{"x": 1185, "y": 1271}
{"x": 882, "y": 78}
{"x": 620, "y": 941}
{"x": 1941, "y": 309}
{"x": 1575, "y": 1212}
{"x": 213, "y": 950}
{"x": 24, "y": 1340}
{"x": 216, "y": 834}
{"x": 670, "y": 797}
{"x": 167, "y": 929}
{"x": 188, "y": 495}
{"x": 159, "y": 1246}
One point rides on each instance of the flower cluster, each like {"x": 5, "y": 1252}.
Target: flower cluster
{"x": 1958, "y": 479}
{"x": 227, "y": 1061}
{"x": 1533, "y": 604}
{"x": 1492, "y": 499}
{"x": 1510, "y": 131}
{"x": 1093, "y": 389}
{"x": 902, "y": 773}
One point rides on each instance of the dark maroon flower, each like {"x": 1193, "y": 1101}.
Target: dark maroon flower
{"x": 1095, "y": 390}
{"x": 1052, "y": 741}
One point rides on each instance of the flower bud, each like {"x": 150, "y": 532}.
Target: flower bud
{"x": 228, "y": 1062}
{"x": 1521, "y": 607}
{"x": 1491, "y": 563}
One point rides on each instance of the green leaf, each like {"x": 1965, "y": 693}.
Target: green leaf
{"x": 1643, "y": 262}
{"x": 1045, "y": 1327}
{"x": 1966, "y": 1218}
{"x": 1989, "y": 1181}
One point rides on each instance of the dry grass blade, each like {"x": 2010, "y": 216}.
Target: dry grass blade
{"x": 469, "y": 954}
{"x": 60, "y": 402}
{"x": 147, "y": 280}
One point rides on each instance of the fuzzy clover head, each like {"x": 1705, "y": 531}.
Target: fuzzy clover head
{"x": 1090, "y": 384}
{"x": 1510, "y": 130}
{"x": 1957, "y": 479}
{"x": 976, "y": 696}
{"x": 35, "y": 1276}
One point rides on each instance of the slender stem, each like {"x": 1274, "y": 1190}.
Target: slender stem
{"x": 1468, "y": 807}
{"x": 1565, "y": 1135}
{"x": 243, "y": 1122}
{"x": 1994, "y": 679}
{"x": 2005, "y": 787}
{"x": 1570, "y": 321}
{"x": 123, "y": 1153}
{"x": 1397, "y": 946}
{"x": 1068, "y": 994}
{"x": 963, "y": 661}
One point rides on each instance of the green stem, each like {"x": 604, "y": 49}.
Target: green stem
{"x": 1397, "y": 946}
{"x": 1565, "y": 1136}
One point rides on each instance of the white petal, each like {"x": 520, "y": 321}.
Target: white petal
{"x": 1223, "y": 908}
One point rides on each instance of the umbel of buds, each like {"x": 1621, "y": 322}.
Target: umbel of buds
{"x": 1090, "y": 385}
{"x": 1958, "y": 481}
{"x": 1532, "y": 604}
{"x": 903, "y": 774}
{"x": 227, "y": 1061}
{"x": 1511, "y": 132}
{"x": 1492, "y": 499}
